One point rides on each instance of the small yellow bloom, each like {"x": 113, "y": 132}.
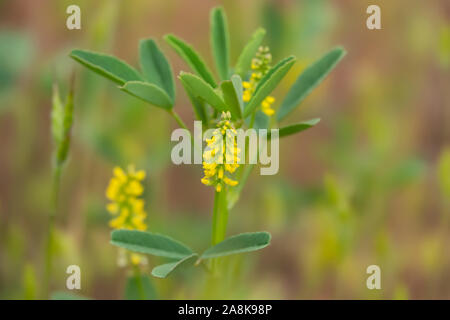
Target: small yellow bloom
{"x": 266, "y": 106}
{"x": 219, "y": 160}
{"x": 260, "y": 66}
{"x": 123, "y": 190}
{"x": 135, "y": 259}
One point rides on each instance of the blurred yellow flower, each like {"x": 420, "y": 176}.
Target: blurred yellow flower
{"x": 219, "y": 158}
{"x": 260, "y": 66}
{"x": 123, "y": 190}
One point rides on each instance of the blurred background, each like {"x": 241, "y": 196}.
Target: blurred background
{"x": 369, "y": 185}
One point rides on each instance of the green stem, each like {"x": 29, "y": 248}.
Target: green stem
{"x": 140, "y": 285}
{"x": 219, "y": 224}
{"x": 220, "y": 217}
{"x": 51, "y": 227}
{"x": 178, "y": 119}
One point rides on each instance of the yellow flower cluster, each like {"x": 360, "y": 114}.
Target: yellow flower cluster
{"x": 123, "y": 190}
{"x": 219, "y": 157}
{"x": 260, "y": 66}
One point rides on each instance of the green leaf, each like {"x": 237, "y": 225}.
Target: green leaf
{"x": 150, "y": 243}
{"x": 155, "y": 67}
{"x": 107, "y": 66}
{"x": 232, "y": 97}
{"x": 197, "y": 104}
{"x": 192, "y": 58}
{"x": 63, "y": 295}
{"x": 244, "y": 242}
{"x": 309, "y": 80}
{"x": 149, "y": 93}
{"x": 200, "y": 88}
{"x": 220, "y": 41}
{"x": 245, "y": 59}
{"x": 272, "y": 70}
{"x": 296, "y": 128}
{"x": 268, "y": 83}
{"x": 237, "y": 83}
{"x": 164, "y": 270}
{"x": 140, "y": 287}
{"x": 262, "y": 121}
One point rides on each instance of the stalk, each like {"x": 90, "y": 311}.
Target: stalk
{"x": 61, "y": 124}
{"x": 219, "y": 223}
{"x": 178, "y": 120}
{"x": 140, "y": 285}
{"x": 220, "y": 217}
{"x": 51, "y": 226}
{"x": 181, "y": 124}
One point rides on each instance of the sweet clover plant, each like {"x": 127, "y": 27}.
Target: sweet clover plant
{"x": 240, "y": 97}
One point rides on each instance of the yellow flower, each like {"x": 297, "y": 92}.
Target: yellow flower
{"x": 220, "y": 158}
{"x": 123, "y": 191}
{"x": 260, "y": 66}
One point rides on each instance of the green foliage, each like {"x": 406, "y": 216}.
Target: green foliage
{"x": 155, "y": 67}
{"x": 62, "y": 119}
{"x": 197, "y": 104}
{"x": 297, "y": 127}
{"x": 164, "y": 246}
{"x": 232, "y": 94}
{"x": 164, "y": 270}
{"x": 220, "y": 42}
{"x": 208, "y": 99}
{"x": 107, "y": 66}
{"x": 203, "y": 90}
{"x": 244, "y": 242}
{"x": 150, "y": 243}
{"x": 268, "y": 83}
{"x": 192, "y": 58}
{"x": 245, "y": 59}
{"x": 309, "y": 80}
{"x": 149, "y": 93}
{"x": 140, "y": 287}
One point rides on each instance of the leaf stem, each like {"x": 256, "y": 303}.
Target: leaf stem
{"x": 178, "y": 119}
